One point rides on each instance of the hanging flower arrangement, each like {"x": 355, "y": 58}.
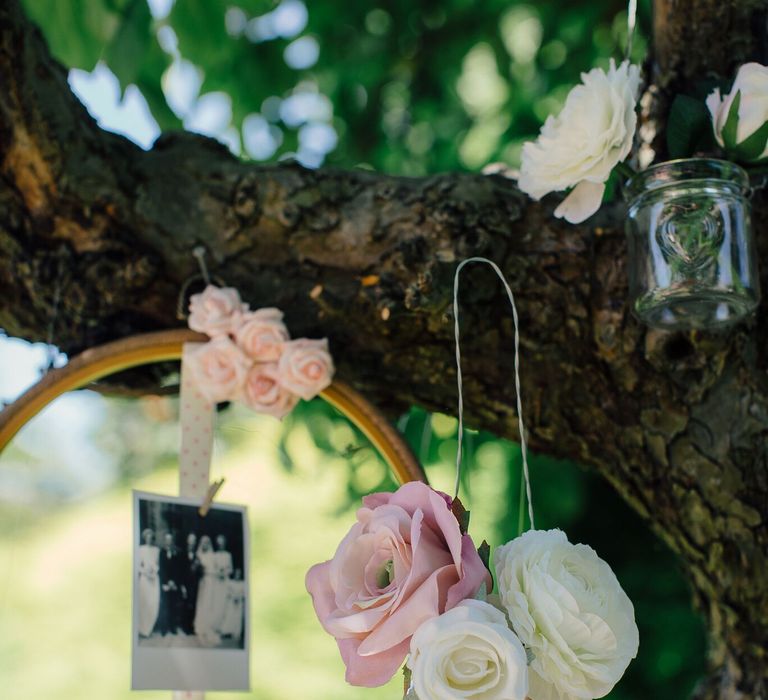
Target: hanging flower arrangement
{"x": 250, "y": 357}
{"x": 408, "y": 587}
{"x": 407, "y": 582}
{"x": 692, "y": 262}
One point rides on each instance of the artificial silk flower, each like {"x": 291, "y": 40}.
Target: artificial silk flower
{"x": 404, "y": 562}
{"x": 580, "y": 147}
{"x": 215, "y": 311}
{"x": 250, "y": 357}
{"x": 468, "y": 652}
{"x": 263, "y": 393}
{"x": 305, "y": 367}
{"x": 261, "y": 334}
{"x": 740, "y": 118}
{"x": 219, "y": 368}
{"x": 569, "y": 610}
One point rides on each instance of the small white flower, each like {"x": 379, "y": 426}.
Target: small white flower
{"x": 468, "y": 652}
{"x": 570, "y": 612}
{"x": 751, "y": 84}
{"x": 580, "y": 147}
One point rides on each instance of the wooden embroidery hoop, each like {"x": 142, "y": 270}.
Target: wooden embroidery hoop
{"x": 134, "y": 351}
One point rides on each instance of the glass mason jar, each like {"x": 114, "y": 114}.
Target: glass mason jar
{"x": 692, "y": 261}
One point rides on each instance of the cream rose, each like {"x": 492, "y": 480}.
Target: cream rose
{"x": 468, "y": 652}
{"x": 219, "y": 368}
{"x": 751, "y": 114}
{"x": 568, "y": 609}
{"x": 580, "y": 147}
{"x": 262, "y": 391}
{"x": 306, "y": 367}
{"x": 261, "y": 334}
{"x": 216, "y": 311}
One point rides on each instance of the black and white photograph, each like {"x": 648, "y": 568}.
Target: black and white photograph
{"x": 190, "y": 595}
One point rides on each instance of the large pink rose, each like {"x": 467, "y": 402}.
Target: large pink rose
{"x": 263, "y": 393}
{"x": 216, "y": 311}
{"x": 405, "y": 561}
{"x": 219, "y": 368}
{"x": 306, "y": 367}
{"x": 261, "y": 334}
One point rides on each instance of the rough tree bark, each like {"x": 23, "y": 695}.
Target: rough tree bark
{"x": 676, "y": 422}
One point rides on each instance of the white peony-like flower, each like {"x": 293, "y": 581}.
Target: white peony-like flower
{"x": 468, "y": 652}
{"x": 751, "y": 115}
{"x": 569, "y": 610}
{"x": 580, "y": 147}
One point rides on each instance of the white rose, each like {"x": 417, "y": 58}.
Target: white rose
{"x": 569, "y": 610}
{"x": 262, "y": 392}
{"x": 219, "y": 369}
{"x": 468, "y": 652}
{"x": 306, "y": 367}
{"x": 216, "y": 311}
{"x": 261, "y": 334}
{"x": 751, "y": 84}
{"x": 580, "y": 147}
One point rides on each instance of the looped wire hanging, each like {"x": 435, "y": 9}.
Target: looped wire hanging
{"x": 631, "y": 24}
{"x": 459, "y": 381}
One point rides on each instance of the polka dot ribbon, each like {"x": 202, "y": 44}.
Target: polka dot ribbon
{"x": 196, "y": 416}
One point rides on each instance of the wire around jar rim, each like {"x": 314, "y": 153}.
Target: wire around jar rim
{"x": 687, "y": 170}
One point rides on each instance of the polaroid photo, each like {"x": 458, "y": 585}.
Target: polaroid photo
{"x": 190, "y": 595}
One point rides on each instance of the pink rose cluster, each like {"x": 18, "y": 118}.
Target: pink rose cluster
{"x": 251, "y": 358}
{"x": 403, "y": 563}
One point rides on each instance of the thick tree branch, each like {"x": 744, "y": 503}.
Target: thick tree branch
{"x": 677, "y": 423}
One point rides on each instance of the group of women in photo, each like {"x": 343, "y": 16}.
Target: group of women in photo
{"x": 191, "y": 592}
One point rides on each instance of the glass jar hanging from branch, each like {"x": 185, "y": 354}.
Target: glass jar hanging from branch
{"x": 692, "y": 260}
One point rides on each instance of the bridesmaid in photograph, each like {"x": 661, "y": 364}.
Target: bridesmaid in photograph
{"x": 149, "y": 583}
{"x": 232, "y": 626}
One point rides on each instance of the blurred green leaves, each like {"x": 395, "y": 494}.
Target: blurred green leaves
{"x": 415, "y": 87}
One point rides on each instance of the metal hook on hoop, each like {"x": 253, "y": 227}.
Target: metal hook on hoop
{"x": 198, "y": 252}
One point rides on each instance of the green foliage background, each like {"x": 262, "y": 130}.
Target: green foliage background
{"x": 413, "y": 87}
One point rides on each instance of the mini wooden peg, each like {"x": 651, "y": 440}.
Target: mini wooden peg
{"x": 213, "y": 489}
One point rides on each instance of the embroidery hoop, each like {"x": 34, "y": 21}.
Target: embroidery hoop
{"x": 161, "y": 346}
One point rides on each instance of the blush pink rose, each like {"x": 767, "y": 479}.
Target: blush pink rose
{"x": 219, "y": 368}
{"x": 263, "y": 393}
{"x": 216, "y": 311}
{"x": 262, "y": 334}
{"x": 405, "y": 561}
{"x": 306, "y": 367}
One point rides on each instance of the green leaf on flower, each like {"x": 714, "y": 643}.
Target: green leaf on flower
{"x": 612, "y": 186}
{"x": 406, "y": 679}
{"x": 461, "y": 514}
{"x": 484, "y": 550}
{"x": 731, "y": 124}
{"x": 752, "y": 147}
{"x": 688, "y": 125}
